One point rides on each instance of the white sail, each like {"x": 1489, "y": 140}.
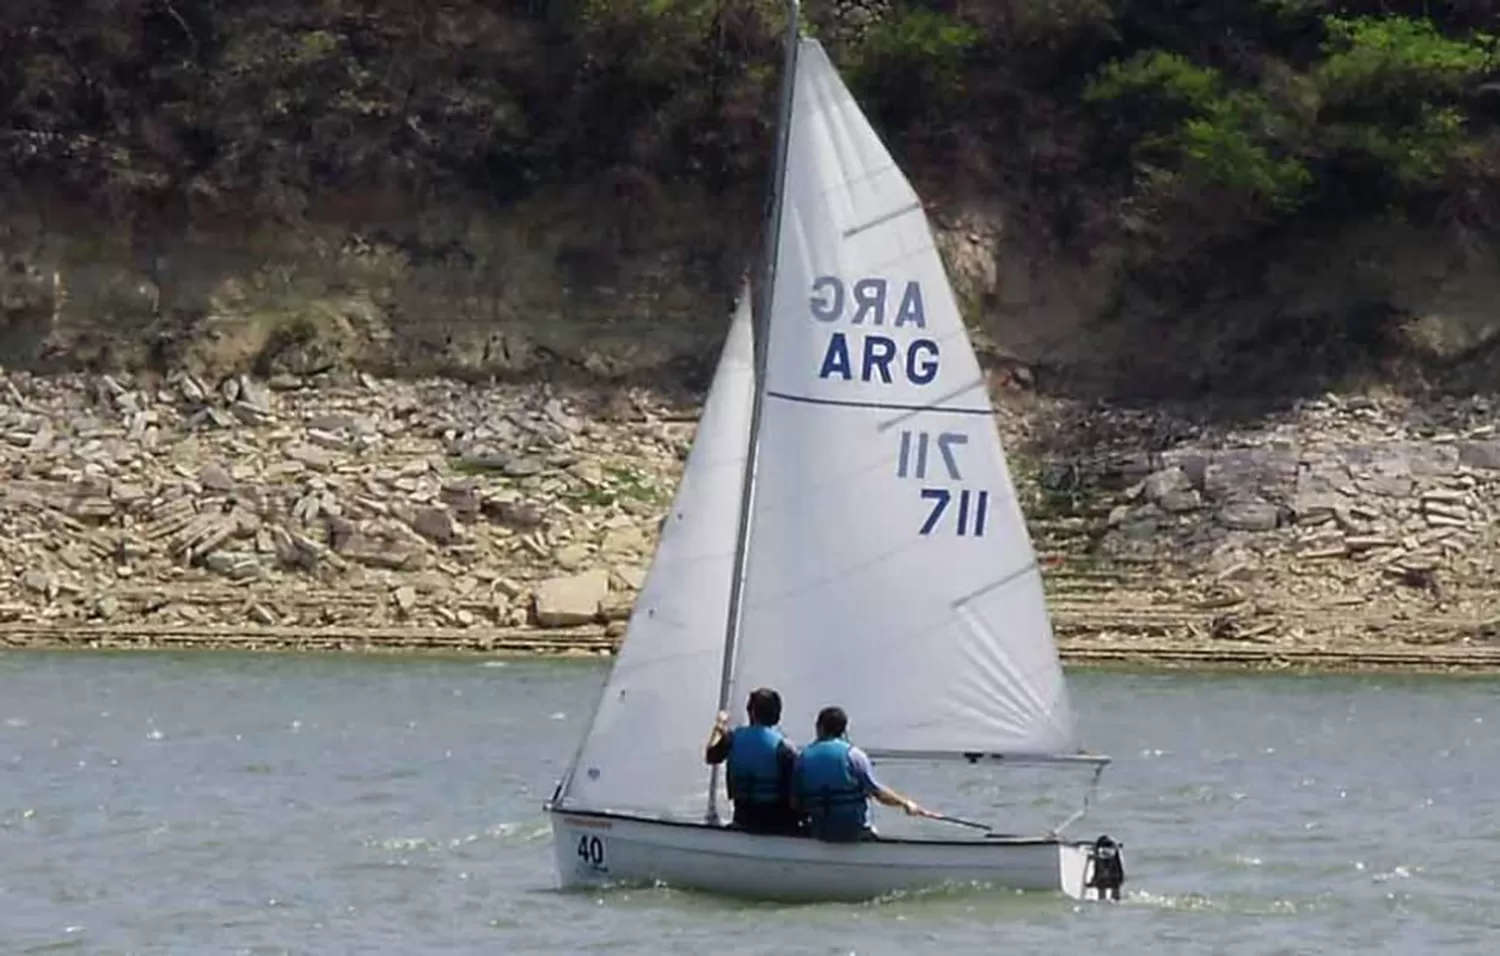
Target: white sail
{"x": 890, "y": 569}
{"x": 644, "y": 748}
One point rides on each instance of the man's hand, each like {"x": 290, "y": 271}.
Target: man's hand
{"x": 913, "y": 810}
{"x": 717, "y": 738}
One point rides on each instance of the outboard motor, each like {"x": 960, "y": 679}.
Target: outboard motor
{"x": 1106, "y": 869}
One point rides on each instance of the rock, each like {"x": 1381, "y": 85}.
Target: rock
{"x": 91, "y": 507}
{"x": 1438, "y": 508}
{"x": 326, "y": 439}
{"x": 237, "y": 566}
{"x": 1314, "y": 507}
{"x": 435, "y": 525}
{"x": 253, "y": 395}
{"x": 1249, "y": 515}
{"x": 406, "y": 598}
{"x": 587, "y": 471}
{"x": 1445, "y": 495}
{"x": 40, "y": 582}
{"x": 1180, "y": 501}
{"x": 42, "y": 439}
{"x": 161, "y": 504}
{"x": 215, "y": 477}
{"x": 1366, "y": 542}
{"x": 192, "y": 390}
{"x": 1439, "y": 519}
{"x": 617, "y": 607}
{"x": 1394, "y": 480}
{"x": 1161, "y": 484}
{"x": 462, "y": 497}
{"x": 106, "y": 608}
{"x": 571, "y": 557}
{"x": 1480, "y": 454}
{"x": 523, "y": 516}
{"x": 465, "y": 586}
{"x": 508, "y": 588}
{"x": 628, "y": 540}
{"x": 262, "y": 615}
{"x": 282, "y": 382}
{"x": 569, "y": 601}
{"x": 201, "y": 536}
{"x": 629, "y": 578}
{"x": 127, "y": 493}
{"x": 250, "y": 414}
{"x": 382, "y": 554}
{"x": 513, "y": 466}
{"x": 313, "y": 457}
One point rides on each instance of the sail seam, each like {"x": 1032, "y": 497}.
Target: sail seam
{"x": 997, "y": 583}
{"x": 884, "y": 406}
{"x": 882, "y": 220}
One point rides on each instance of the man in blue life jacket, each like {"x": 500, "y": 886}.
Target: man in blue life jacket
{"x": 833, "y": 782}
{"x": 759, "y": 775}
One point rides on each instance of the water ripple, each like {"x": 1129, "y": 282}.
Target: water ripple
{"x": 291, "y": 804}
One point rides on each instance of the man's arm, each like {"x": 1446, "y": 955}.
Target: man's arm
{"x": 864, "y": 772}
{"x": 786, "y": 757}
{"x": 717, "y": 750}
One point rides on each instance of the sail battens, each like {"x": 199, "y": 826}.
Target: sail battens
{"x": 1000, "y": 582}
{"x": 882, "y": 220}
{"x": 882, "y": 406}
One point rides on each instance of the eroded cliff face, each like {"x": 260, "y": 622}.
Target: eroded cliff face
{"x": 599, "y": 282}
{"x": 1260, "y": 198}
{"x": 621, "y": 281}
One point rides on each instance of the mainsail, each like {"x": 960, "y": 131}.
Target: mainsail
{"x": 644, "y": 747}
{"x": 890, "y": 570}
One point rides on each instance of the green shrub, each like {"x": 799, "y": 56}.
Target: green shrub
{"x": 1391, "y": 90}
{"x": 1377, "y": 59}
{"x": 1192, "y": 124}
{"x": 912, "y": 63}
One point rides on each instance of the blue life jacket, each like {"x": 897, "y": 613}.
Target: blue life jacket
{"x": 834, "y": 800}
{"x": 754, "y": 767}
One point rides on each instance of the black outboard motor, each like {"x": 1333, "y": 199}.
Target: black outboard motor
{"x": 1106, "y": 869}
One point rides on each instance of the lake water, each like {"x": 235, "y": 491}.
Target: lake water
{"x": 154, "y": 803}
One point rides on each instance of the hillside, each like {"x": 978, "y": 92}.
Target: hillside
{"x": 1137, "y": 197}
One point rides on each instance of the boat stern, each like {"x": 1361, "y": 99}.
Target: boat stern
{"x": 1092, "y": 870}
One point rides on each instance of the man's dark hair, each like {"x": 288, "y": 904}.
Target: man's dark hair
{"x": 764, "y": 707}
{"x": 832, "y": 722}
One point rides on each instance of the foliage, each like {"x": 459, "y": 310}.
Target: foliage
{"x": 1392, "y": 90}
{"x": 1389, "y": 58}
{"x": 257, "y": 106}
{"x": 1193, "y": 120}
{"x": 1277, "y": 111}
{"x": 913, "y": 61}
{"x": 1380, "y": 114}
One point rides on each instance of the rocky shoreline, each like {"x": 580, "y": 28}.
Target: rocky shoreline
{"x": 343, "y": 511}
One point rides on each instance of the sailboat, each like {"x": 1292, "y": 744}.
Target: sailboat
{"x": 845, "y": 530}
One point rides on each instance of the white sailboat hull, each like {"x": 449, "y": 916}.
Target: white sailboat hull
{"x": 600, "y": 849}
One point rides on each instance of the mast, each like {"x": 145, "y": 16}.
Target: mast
{"x": 760, "y": 327}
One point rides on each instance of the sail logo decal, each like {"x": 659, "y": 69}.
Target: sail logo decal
{"x": 871, "y": 356}
{"x": 965, "y": 512}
